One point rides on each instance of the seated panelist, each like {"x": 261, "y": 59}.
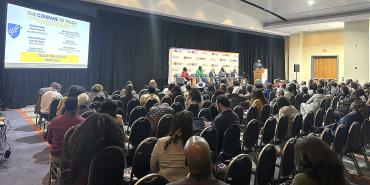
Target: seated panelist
{"x": 199, "y": 74}
{"x": 185, "y": 74}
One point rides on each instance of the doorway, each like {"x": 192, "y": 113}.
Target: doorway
{"x": 324, "y": 67}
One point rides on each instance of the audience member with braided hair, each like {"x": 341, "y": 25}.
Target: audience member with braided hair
{"x": 168, "y": 157}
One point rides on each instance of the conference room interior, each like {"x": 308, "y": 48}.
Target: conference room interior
{"x": 184, "y": 92}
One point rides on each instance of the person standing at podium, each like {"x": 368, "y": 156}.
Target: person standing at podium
{"x": 258, "y": 65}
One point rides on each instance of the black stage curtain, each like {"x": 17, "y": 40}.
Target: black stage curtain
{"x": 126, "y": 47}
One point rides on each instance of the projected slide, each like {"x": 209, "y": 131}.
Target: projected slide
{"x": 36, "y": 39}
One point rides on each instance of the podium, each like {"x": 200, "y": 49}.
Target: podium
{"x": 260, "y": 74}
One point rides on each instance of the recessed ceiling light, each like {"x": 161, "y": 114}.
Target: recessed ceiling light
{"x": 311, "y": 2}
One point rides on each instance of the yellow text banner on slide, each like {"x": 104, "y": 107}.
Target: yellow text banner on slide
{"x": 49, "y": 58}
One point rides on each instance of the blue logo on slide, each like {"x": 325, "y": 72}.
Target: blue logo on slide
{"x": 14, "y": 30}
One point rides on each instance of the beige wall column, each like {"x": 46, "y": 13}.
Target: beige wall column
{"x": 356, "y": 49}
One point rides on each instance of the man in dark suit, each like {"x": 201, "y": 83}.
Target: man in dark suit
{"x": 199, "y": 161}
{"x": 225, "y": 118}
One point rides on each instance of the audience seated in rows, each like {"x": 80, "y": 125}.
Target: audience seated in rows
{"x": 170, "y": 153}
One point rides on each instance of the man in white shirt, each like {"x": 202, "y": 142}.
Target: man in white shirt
{"x": 47, "y": 98}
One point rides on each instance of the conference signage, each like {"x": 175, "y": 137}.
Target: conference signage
{"x": 37, "y": 39}
{"x": 193, "y": 58}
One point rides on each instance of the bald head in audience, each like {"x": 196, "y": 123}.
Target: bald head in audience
{"x": 199, "y": 161}
{"x": 198, "y": 156}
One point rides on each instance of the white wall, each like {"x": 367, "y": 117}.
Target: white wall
{"x": 196, "y": 10}
{"x": 356, "y": 49}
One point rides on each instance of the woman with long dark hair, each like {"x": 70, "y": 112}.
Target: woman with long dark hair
{"x": 317, "y": 164}
{"x": 258, "y": 99}
{"x": 97, "y": 132}
{"x": 168, "y": 154}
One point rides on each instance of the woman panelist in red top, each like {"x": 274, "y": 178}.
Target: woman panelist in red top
{"x": 186, "y": 75}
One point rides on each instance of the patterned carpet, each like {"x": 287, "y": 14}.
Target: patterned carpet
{"x": 29, "y": 163}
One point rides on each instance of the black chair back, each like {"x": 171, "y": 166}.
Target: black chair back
{"x": 327, "y": 136}
{"x": 53, "y": 109}
{"x": 135, "y": 114}
{"x": 139, "y": 131}
{"x": 231, "y": 142}
{"x": 251, "y": 133}
{"x": 363, "y": 133}
{"x": 206, "y": 103}
{"x": 298, "y": 100}
{"x": 329, "y": 117}
{"x": 251, "y": 114}
{"x": 334, "y": 103}
{"x": 238, "y": 110}
{"x": 282, "y": 128}
{"x": 149, "y": 104}
{"x": 142, "y": 92}
{"x": 194, "y": 108}
{"x": 323, "y": 104}
{"x": 66, "y": 149}
{"x": 161, "y": 95}
{"x": 233, "y": 102}
{"x": 287, "y": 165}
{"x": 305, "y": 98}
{"x": 266, "y": 165}
{"x": 268, "y": 130}
{"x": 239, "y": 170}
{"x": 164, "y": 125}
{"x": 297, "y": 125}
{"x": 213, "y": 109}
{"x": 167, "y": 99}
{"x": 116, "y": 97}
{"x": 131, "y": 105}
{"x": 107, "y": 167}
{"x": 327, "y": 104}
{"x": 177, "y": 107}
{"x": 265, "y": 113}
{"x": 339, "y": 139}
{"x": 272, "y": 95}
{"x": 245, "y": 105}
{"x": 87, "y": 113}
{"x": 206, "y": 97}
{"x": 180, "y": 99}
{"x": 319, "y": 118}
{"x": 352, "y": 138}
{"x": 152, "y": 179}
{"x": 275, "y": 109}
{"x": 206, "y": 114}
{"x": 307, "y": 125}
{"x": 210, "y": 134}
{"x": 116, "y": 92}
{"x": 141, "y": 158}
{"x": 292, "y": 100}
